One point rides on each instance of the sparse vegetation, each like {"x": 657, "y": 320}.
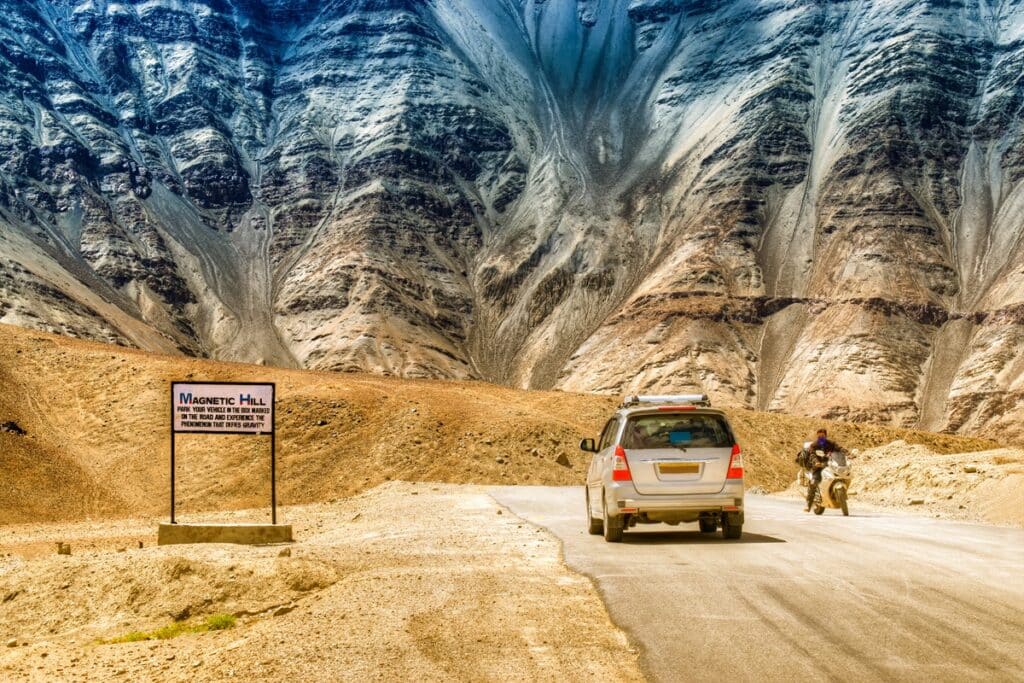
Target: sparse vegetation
{"x": 220, "y": 622}
{"x": 133, "y": 637}
{"x": 214, "y": 622}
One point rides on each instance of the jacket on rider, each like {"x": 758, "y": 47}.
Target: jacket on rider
{"x": 816, "y": 464}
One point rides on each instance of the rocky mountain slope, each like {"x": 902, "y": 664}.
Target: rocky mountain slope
{"x": 796, "y": 205}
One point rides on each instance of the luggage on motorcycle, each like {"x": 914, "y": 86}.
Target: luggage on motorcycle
{"x": 803, "y": 458}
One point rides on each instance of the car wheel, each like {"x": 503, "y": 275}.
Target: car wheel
{"x": 613, "y": 525}
{"x": 731, "y": 531}
{"x": 708, "y": 526}
{"x": 595, "y": 524}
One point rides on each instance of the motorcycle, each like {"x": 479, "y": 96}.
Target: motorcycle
{"x": 834, "y": 488}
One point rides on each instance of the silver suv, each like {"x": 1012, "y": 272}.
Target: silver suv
{"x": 665, "y": 459}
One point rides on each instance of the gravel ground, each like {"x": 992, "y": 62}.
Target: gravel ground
{"x": 403, "y": 582}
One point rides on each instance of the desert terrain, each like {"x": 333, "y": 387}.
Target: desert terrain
{"x": 405, "y": 582}
{"x": 405, "y": 564}
{"x": 92, "y": 435}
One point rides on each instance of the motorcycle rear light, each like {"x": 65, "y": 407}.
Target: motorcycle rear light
{"x": 620, "y": 466}
{"x": 735, "y": 464}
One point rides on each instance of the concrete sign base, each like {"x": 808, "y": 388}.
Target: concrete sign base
{"x": 246, "y": 534}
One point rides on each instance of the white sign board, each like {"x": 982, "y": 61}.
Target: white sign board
{"x": 202, "y": 408}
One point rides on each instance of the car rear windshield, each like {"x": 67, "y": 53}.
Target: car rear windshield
{"x": 677, "y": 430}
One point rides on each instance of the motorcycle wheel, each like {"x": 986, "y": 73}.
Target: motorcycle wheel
{"x": 818, "y": 509}
{"x": 842, "y": 503}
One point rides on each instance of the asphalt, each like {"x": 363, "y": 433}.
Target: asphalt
{"x": 873, "y": 596}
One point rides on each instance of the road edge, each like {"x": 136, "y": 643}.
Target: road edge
{"x": 639, "y": 650}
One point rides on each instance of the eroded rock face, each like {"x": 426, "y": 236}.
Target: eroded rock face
{"x": 795, "y": 205}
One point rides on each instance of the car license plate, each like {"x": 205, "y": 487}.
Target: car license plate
{"x": 678, "y": 467}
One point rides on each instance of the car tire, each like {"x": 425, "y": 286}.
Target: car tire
{"x": 731, "y": 531}
{"x": 595, "y": 525}
{"x": 708, "y": 526}
{"x": 613, "y": 525}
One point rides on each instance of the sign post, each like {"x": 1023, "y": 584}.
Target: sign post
{"x": 225, "y": 408}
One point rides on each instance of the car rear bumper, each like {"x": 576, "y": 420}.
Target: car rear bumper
{"x": 624, "y": 499}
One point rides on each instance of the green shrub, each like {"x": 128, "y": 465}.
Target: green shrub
{"x": 214, "y": 622}
{"x": 219, "y": 622}
{"x": 170, "y": 631}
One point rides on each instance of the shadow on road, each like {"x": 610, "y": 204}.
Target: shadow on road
{"x": 691, "y": 538}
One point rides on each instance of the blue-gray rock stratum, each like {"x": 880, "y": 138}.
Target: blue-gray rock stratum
{"x": 801, "y": 205}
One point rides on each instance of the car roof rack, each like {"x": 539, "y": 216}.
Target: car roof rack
{"x": 701, "y": 400}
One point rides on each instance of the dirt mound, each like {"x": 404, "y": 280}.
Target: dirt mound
{"x": 456, "y": 591}
{"x": 97, "y": 444}
{"x": 984, "y": 486}
{"x": 771, "y": 441}
{"x": 106, "y": 592}
{"x": 981, "y": 486}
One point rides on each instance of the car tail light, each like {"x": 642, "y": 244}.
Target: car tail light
{"x": 620, "y": 466}
{"x": 735, "y": 464}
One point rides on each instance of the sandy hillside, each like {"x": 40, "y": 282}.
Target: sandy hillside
{"x": 96, "y": 440}
{"x": 459, "y": 590}
{"x": 984, "y": 486}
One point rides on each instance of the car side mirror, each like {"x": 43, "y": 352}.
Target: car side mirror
{"x": 588, "y": 446}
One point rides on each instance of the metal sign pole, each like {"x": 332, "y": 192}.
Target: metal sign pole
{"x": 273, "y": 454}
{"x": 273, "y": 477}
{"x": 172, "y": 479}
{"x": 172, "y": 454}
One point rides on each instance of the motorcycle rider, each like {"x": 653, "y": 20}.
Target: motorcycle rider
{"x": 816, "y": 464}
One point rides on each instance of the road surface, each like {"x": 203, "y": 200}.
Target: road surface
{"x": 873, "y": 596}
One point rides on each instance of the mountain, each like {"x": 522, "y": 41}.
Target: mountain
{"x": 798, "y": 205}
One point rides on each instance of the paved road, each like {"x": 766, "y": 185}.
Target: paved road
{"x": 803, "y": 598}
